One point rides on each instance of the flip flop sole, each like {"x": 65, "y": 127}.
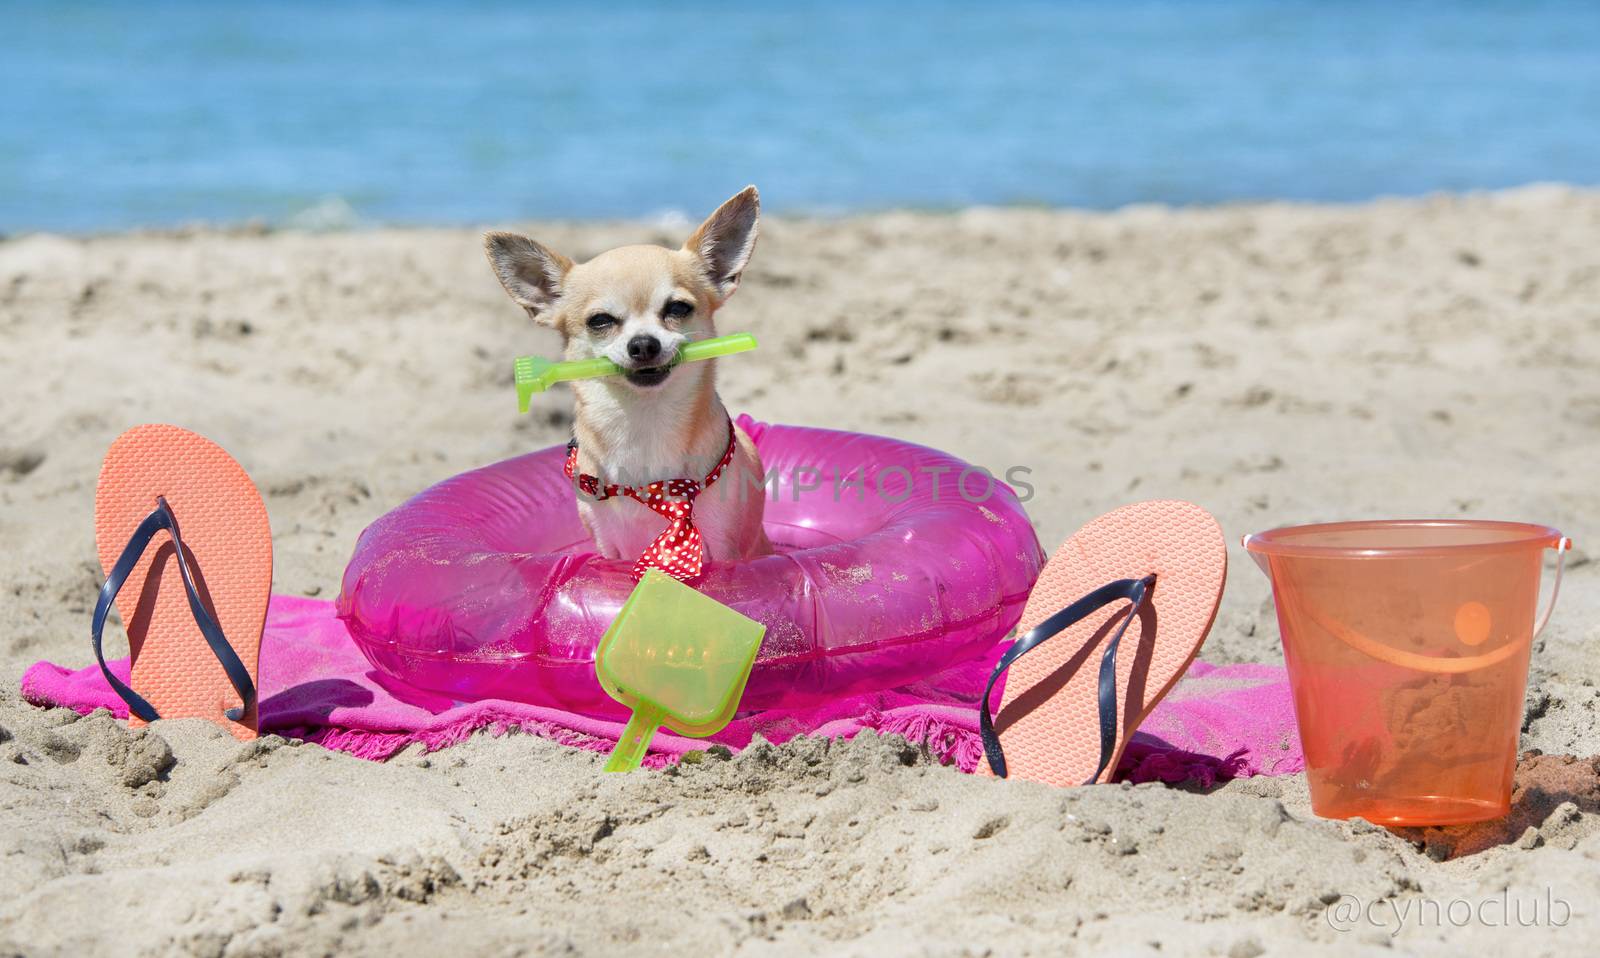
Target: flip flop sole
{"x": 1048, "y": 720}
{"x": 224, "y": 526}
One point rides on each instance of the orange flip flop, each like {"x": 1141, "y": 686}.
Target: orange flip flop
{"x": 194, "y": 606}
{"x": 1147, "y": 578}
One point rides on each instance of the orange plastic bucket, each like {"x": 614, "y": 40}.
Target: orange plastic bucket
{"x": 1407, "y": 649}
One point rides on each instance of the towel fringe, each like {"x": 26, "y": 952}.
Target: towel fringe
{"x": 948, "y": 744}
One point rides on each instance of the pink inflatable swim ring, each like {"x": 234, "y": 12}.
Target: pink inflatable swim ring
{"x": 894, "y": 561}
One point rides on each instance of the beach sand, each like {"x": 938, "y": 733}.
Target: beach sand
{"x": 1275, "y": 363}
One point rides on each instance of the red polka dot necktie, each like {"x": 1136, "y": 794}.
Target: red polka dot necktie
{"x": 679, "y": 551}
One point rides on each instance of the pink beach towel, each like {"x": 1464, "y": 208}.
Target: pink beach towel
{"x": 1218, "y": 723}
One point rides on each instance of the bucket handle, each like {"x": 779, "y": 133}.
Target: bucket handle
{"x": 1562, "y": 546}
{"x": 1425, "y": 663}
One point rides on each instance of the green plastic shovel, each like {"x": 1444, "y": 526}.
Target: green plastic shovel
{"x": 677, "y": 658}
{"x": 535, "y": 375}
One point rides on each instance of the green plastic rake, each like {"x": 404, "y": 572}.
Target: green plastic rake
{"x": 535, "y": 375}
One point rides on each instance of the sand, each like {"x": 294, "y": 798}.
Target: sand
{"x": 1275, "y": 363}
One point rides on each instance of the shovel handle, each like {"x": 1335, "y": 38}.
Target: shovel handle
{"x": 635, "y": 740}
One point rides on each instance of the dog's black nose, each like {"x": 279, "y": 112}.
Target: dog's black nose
{"x": 642, "y": 349}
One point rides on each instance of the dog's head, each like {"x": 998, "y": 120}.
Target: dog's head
{"x": 634, "y": 305}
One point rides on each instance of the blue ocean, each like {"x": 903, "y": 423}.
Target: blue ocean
{"x": 123, "y": 114}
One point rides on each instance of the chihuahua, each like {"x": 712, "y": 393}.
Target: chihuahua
{"x": 636, "y": 306}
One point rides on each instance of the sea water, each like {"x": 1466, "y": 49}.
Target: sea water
{"x": 121, "y": 114}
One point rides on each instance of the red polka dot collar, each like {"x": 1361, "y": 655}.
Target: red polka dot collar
{"x": 679, "y": 551}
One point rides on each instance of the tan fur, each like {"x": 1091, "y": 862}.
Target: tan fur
{"x": 634, "y": 434}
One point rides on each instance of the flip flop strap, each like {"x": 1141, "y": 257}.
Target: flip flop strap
{"x": 238, "y": 675}
{"x": 1134, "y": 591}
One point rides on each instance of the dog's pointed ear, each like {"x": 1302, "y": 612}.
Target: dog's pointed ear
{"x": 726, "y": 239}
{"x": 531, "y": 272}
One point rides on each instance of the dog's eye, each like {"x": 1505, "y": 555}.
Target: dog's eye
{"x": 601, "y": 321}
{"x": 677, "y": 309}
